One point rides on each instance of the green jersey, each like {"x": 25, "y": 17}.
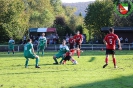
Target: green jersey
{"x": 42, "y": 41}
{"x": 11, "y": 44}
{"x": 63, "y": 49}
{"x": 28, "y": 49}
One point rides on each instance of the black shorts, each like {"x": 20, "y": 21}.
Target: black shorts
{"x": 78, "y": 45}
{"x": 71, "y": 46}
{"x": 110, "y": 51}
{"x": 67, "y": 58}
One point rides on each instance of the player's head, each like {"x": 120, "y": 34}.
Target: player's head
{"x": 111, "y": 30}
{"x": 43, "y": 34}
{"x": 64, "y": 42}
{"x": 11, "y": 38}
{"x": 29, "y": 40}
{"x": 78, "y": 32}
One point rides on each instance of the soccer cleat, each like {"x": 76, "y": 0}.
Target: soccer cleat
{"x": 26, "y": 66}
{"x": 55, "y": 63}
{"x": 115, "y": 66}
{"x": 37, "y": 67}
{"x": 105, "y": 65}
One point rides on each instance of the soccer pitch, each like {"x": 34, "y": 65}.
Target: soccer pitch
{"x": 87, "y": 74}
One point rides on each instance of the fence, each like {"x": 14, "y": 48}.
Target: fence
{"x": 125, "y": 46}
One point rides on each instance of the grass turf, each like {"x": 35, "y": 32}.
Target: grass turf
{"x": 87, "y": 74}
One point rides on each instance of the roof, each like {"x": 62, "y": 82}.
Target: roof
{"x": 42, "y": 30}
{"x": 118, "y": 29}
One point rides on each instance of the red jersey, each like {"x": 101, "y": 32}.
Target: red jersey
{"x": 71, "y": 51}
{"x": 111, "y": 40}
{"x": 78, "y": 38}
{"x": 71, "y": 41}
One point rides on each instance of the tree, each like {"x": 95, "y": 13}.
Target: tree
{"x": 13, "y": 18}
{"x": 99, "y": 14}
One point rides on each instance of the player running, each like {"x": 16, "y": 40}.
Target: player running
{"x": 63, "y": 49}
{"x": 29, "y": 53}
{"x": 42, "y": 43}
{"x": 110, "y": 42}
{"x": 71, "y": 42}
{"x": 78, "y": 40}
{"x": 11, "y": 45}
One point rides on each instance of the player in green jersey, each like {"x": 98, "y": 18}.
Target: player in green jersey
{"x": 11, "y": 45}
{"x": 29, "y": 53}
{"x": 42, "y": 43}
{"x": 63, "y": 49}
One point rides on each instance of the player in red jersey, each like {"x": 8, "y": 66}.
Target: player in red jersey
{"x": 68, "y": 56}
{"x": 110, "y": 42}
{"x": 78, "y": 40}
{"x": 71, "y": 42}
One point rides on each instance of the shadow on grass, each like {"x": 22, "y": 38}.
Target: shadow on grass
{"x": 92, "y": 59}
{"x": 121, "y": 82}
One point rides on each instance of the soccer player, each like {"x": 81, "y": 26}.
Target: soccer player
{"x": 78, "y": 40}
{"x": 71, "y": 42}
{"x": 110, "y": 42}
{"x": 11, "y": 45}
{"x": 68, "y": 56}
{"x": 42, "y": 43}
{"x": 29, "y": 53}
{"x": 63, "y": 49}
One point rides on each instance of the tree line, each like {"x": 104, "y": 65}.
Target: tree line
{"x": 17, "y": 16}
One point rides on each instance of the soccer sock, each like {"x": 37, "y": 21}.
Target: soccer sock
{"x": 8, "y": 52}
{"x": 78, "y": 53}
{"x": 13, "y": 52}
{"x": 55, "y": 60}
{"x": 37, "y": 60}
{"x": 114, "y": 61}
{"x": 61, "y": 59}
{"x": 43, "y": 52}
{"x": 106, "y": 60}
{"x": 26, "y": 62}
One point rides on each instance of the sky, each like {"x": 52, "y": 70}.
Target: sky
{"x": 73, "y": 1}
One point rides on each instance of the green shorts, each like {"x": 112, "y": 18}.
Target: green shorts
{"x": 32, "y": 56}
{"x": 41, "y": 47}
{"x": 10, "y": 48}
{"x": 59, "y": 55}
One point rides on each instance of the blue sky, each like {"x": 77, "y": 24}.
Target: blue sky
{"x": 72, "y": 1}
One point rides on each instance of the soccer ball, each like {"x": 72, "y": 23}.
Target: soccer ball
{"x": 75, "y": 62}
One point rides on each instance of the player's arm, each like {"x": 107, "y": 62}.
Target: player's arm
{"x": 81, "y": 38}
{"x": 119, "y": 43}
{"x": 32, "y": 49}
{"x": 46, "y": 42}
{"x": 104, "y": 41}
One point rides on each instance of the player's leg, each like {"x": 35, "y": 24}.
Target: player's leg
{"x": 13, "y": 50}
{"x": 55, "y": 59}
{"x": 78, "y": 50}
{"x": 43, "y": 47}
{"x": 26, "y": 62}
{"x": 72, "y": 59}
{"x": 107, "y": 57}
{"x": 37, "y": 61}
{"x": 114, "y": 59}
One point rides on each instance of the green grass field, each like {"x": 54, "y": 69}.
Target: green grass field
{"x": 87, "y": 74}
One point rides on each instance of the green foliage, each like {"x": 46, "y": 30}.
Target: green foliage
{"x": 99, "y": 14}
{"x": 14, "y": 20}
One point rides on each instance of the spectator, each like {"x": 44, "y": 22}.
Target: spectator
{"x": 66, "y": 36}
{"x": 126, "y": 40}
{"x": 54, "y": 39}
{"x": 121, "y": 40}
{"x": 57, "y": 38}
{"x": 24, "y": 40}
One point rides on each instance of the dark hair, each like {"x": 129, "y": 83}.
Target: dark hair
{"x": 29, "y": 39}
{"x": 111, "y": 29}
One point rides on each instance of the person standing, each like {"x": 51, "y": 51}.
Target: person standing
{"x": 78, "y": 40}
{"x": 29, "y": 53}
{"x": 110, "y": 42}
{"x": 11, "y": 45}
{"x": 42, "y": 43}
{"x": 71, "y": 42}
